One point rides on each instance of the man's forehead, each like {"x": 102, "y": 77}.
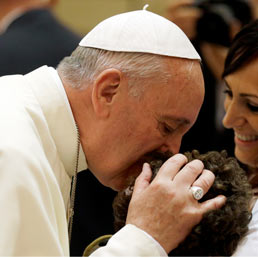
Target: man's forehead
{"x": 186, "y": 79}
{"x": 182, "y": 65}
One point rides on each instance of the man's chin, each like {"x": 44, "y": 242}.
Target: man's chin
{"x": 121, "y": 183}
{"x": 118, "y": 185}
{"x": 127, "y": 177}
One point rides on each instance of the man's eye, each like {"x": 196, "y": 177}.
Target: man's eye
{"x": 167, "y": 129}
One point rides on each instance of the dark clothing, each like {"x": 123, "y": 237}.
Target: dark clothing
{"x": 34, "y": 39}
{"x": 93, "y": 212}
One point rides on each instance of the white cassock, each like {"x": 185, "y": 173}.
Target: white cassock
{"x": 38, "y": 149}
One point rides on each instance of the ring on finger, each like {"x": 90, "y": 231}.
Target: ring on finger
{"x": 197, "y": 192}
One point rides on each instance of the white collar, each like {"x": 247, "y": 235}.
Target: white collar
{"x": 49, "y": 90}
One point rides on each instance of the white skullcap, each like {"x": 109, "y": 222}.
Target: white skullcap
{"x": 140, "y": 31}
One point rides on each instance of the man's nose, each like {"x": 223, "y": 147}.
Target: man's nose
{"x": 172, "y": 145}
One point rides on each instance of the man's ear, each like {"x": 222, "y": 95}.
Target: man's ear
{"x": 105, "y": 89}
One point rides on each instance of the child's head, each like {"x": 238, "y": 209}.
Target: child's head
{"x": 220, "y": 230}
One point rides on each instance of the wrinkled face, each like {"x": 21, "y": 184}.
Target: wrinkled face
{"x": 155, "y": 121}
{"x": 241, "y": 105}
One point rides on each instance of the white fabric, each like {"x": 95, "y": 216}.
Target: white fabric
{"x": 140, "y": 31}
{"x": 130, "y": 241}
{"x": 248, "y": 246}
{"x": 35, "y": 172}
{"x": 38, "y": 141}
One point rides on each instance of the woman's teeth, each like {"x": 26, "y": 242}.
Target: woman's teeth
{"x": 246, "y": 138}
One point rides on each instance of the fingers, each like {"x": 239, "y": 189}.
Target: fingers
{"x": 171, "y": 167}
{"x": 213, "y": 204}
{"x": 175, "y": 168}
{"x": 189, "y": 173}
{"x": 143, "y": 180}
{"x": 174, "y": 210}
{"x": 205, "y": 180}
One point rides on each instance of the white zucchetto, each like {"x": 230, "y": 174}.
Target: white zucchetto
{"x": 140, "y": 31}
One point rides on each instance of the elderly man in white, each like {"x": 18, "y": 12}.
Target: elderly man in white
{"x": 134, "y": 85}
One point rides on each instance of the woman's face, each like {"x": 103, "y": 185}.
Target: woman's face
{"x": 241, "y": 105}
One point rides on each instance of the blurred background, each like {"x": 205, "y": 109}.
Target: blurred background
{"x": 83, "y": 15}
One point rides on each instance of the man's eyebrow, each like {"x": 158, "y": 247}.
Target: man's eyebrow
{"x": 178, "y": 120}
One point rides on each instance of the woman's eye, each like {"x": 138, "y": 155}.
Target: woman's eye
{"x": 252, "y": 107}
{"x": 228, "y": 93}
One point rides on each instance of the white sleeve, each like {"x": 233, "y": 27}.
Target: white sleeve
{"x": 32, "y": 217}
{"x": 248, "y": 246}
{"x": 131, "y": 241}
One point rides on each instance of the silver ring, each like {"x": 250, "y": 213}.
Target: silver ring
{"x": 197, "y": 192}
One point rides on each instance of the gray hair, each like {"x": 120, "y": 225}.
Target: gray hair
{"x": 85, "y": 64}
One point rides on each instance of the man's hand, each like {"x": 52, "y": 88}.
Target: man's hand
{"x": 165, "y": 208}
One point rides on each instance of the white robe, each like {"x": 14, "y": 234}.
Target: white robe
{"x": 38, "y": 142}
{"x": 248, "y": 246}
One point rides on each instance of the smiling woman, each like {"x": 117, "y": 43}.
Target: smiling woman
{"x": 241, "y": 105}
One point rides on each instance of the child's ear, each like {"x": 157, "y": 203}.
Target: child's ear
{"x": 105, "y": 89}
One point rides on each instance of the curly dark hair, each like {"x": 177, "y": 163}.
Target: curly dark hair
{"x": 220, "y": 230}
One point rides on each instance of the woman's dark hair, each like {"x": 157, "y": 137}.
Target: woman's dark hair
{"x": 220, "y": 230}
{"x": 243, "y": 49}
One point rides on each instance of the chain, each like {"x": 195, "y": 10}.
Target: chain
{"x": 73, "y": 188}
